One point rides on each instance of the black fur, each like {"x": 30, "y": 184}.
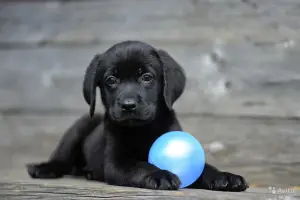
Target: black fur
{"x": 138, "y": 85}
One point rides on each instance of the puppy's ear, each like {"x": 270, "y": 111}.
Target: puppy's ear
{"x": 174, "y": 78}
{"x": 90, "y": 82}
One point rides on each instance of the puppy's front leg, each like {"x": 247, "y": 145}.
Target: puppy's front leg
{"x": 139, "y": 174}
{"x": 213, "y": 179}
{"x": 123, "y": 166}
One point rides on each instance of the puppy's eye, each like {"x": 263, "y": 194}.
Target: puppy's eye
{"x": 147, "y": 77}
{"x": 111, "y": 80}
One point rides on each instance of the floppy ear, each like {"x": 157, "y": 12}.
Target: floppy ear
{"x": 174, "y": 78}
{"x": 90, "y": 82}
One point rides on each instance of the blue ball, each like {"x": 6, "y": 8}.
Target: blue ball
{"x": 180, "y": 153}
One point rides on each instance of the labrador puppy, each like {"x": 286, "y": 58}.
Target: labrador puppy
{"x": 138, "y": 86}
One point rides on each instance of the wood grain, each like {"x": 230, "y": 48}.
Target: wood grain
{"x": 45, "y": 47}
{"x": 263, "y": 81}
{"x": 54, "y": 190}
{"x": 265, "y": 151}
{"x": 174, "y": 21}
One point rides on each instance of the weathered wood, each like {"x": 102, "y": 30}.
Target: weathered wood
{"x": 89, "y": 191}
{"x": 264, "y": 81}
{"x": 266, "y": 152}
{"x": 173, "y": 20}
{"x": 261, "y": 52}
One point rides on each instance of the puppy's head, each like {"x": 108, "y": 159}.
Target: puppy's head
{"x": 136, "y": 81}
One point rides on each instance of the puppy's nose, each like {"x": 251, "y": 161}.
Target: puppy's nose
{"x": 128, "y": 105}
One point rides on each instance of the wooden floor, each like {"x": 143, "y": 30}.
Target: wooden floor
{"x": 245, "y": 110}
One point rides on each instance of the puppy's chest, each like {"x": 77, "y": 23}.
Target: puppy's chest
{"x": 142, "y": 150}
{"x": 139, "y": 147}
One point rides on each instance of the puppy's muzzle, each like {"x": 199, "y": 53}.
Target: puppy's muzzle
{"x": 128, "y": 105}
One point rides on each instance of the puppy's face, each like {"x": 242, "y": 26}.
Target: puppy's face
{"x": 131, "y": 85}
{"x": 135, "y": 80}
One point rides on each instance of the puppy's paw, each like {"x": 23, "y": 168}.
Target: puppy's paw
{"x": 225, "y": 181}
{"x": 161, "y": 180}
{"x": 45, "y": 170}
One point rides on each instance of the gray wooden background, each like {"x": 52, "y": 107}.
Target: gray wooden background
{"x": 245, "y": 110}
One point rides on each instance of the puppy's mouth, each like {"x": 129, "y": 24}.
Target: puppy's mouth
{"x": 132, "y": 118}
{"x": 132, "y": 122}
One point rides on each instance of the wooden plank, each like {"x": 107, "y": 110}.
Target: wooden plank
{"x": 262, "y": 49}
{"x": 266, "y": 152}
{"x": 54, "y": 190}
{"x": 174, "y": 20}
{"x": 264, "y": 80}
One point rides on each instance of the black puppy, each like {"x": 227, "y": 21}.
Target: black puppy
{"x": 138, "y": 86}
